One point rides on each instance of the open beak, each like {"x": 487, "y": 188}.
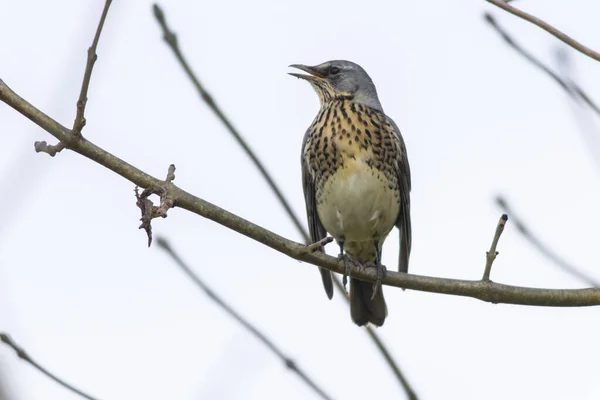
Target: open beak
{"x": 314, "y": 74}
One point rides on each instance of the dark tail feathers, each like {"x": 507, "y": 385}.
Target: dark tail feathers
{"x": 362, "y": 308}
{"x": 327, "y": 281}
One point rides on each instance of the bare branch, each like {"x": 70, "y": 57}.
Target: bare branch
{"x": 486, "y": 291}
{"x": 587, "y": 127}
{"x": 570, "y": 87}
{"x": 410, "y": 393}
{"x": 289, "y": 363}
{"x": 547, "y": 27}
{"x": 564, "y": 63}
{"x": 575, "y": 92}
{"x": 171, "y": 40}
{"x": 22, "y": 354}
{"x": 491, "y": 255}
{"x": 544, "y": 249}
{"x": 79, "y": 122}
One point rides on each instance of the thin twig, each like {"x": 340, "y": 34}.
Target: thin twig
{"x": 486, "y": 291}
{"x": 289, "y": 363}
{"x": 570, "y": 87}
{"x": 491, "y": 255}
{"x": 22, "y": 354}
{"x": 588, "y": 128}
{"x": 79, "y": 122}
{"x": 171, "y": 39}
{"x": 544, "y": 249}
{"x": 410, "y": 394}
{"x": 547, "y": 27}
{"x": 584, "y": 96}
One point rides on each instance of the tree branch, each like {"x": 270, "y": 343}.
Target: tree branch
{"x": 571, "y": 88}
{"x": 171, "y": 39}
{"x": 79, "y": 122}
{"x": 575, "y": 92}
{"x": 22, "y": 354}
{"x": 491, "y": 255}
{"x": 587, "y": 127}
{"x": 542, "y": 248}
{"x": 547, "y": 27}
{"x": 485, "y": 291}
{"x": 65, "y": 138}
{"x": 410, "y": 393}
{"x": 289, "y": 363}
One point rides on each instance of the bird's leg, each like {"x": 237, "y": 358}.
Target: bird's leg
{"x": 341, "y": 244}
{"x": 381, "y": 270}
{"x": 349, "y": 261}
{"x": 341, "y": 256}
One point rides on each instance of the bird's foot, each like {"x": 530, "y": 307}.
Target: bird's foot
{"x": 349, "y": 261}
{"x": 381, "y": 274}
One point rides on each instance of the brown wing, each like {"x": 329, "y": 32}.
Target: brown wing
{"x": 403, "y": 221}
{"x": 315, "y": 227}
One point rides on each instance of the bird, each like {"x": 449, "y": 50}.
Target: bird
{"x": 356, "y": 180}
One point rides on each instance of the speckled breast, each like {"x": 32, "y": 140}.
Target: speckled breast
{"x": 353, "y": 154}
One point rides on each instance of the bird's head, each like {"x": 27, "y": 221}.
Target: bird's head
{"x": 340, "y": 79}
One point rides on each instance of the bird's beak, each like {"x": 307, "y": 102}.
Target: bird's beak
{"x": 314, "y": 74}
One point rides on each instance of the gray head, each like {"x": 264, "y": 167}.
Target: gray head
{"x": 340, "y": 79}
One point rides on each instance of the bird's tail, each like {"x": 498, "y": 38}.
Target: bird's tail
{"x": 327, "y": 282}
{"x": 363, "y": 309}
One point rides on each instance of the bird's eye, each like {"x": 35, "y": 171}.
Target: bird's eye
{"x": 334, "y": 70}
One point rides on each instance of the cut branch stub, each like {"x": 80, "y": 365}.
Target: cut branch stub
{"x": 50, "y": 149}
{"x": 319, "y": 245}
{"x": 171, "y": 173}
{"x": 148, "y": 209}
{"x": 492, "y": 253}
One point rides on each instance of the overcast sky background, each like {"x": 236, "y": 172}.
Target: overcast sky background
{"x": 83, "y": 294}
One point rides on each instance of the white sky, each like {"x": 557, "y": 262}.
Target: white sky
{"x": 82, "y": 293}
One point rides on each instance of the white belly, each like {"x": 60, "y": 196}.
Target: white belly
{"x": 357, "y": 205}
